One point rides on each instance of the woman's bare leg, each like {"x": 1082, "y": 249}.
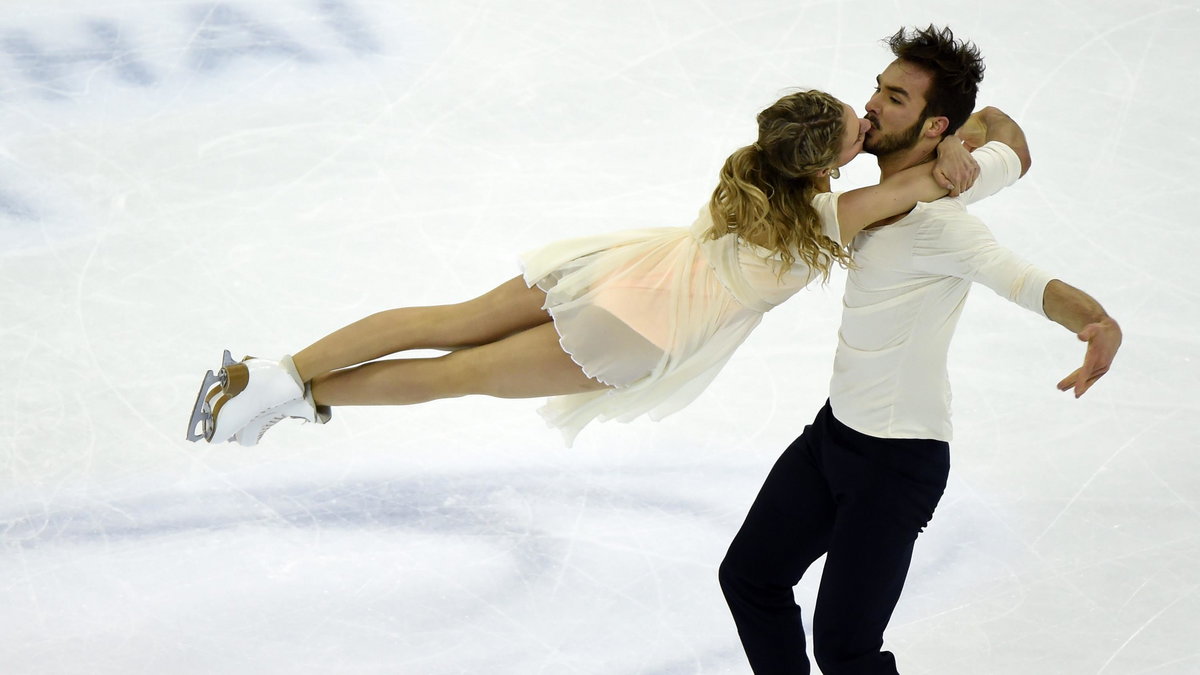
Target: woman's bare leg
{"x": 528, "y": 364}
{"x": 508, "y": 308}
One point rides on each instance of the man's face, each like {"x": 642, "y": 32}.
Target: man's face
{"x": 895, "y": 110}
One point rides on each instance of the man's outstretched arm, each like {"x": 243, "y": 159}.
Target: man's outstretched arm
{"x": 1079, "y": 313}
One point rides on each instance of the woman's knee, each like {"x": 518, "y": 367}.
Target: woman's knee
{"x": 461, "y": 373}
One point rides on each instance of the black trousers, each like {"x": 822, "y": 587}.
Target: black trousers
{"x": 862, "y": 501}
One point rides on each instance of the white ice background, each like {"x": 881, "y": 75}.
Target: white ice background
{"x": 180, "y": 176}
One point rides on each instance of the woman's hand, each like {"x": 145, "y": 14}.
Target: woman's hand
{"x": 955, "y": 170}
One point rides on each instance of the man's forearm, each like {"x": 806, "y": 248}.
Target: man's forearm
{"x": 1079, "y": 313}
{"x": 1070, "y": 307}
{"x": 991, "y": 124}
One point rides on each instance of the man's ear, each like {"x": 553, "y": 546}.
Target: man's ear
{"x": 936, "y": 126}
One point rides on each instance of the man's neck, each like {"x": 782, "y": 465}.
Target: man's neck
{"x": 903, "y": 159}
{"x": 896, "y": 162}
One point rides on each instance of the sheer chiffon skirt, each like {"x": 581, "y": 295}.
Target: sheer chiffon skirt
{"x": 641, "y": 311}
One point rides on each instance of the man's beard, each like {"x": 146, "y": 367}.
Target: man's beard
{"x": 896, "y": 142}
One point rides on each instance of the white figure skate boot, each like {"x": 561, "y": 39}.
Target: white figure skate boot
{"x": 247, "y": 391}
{"x": 304, "y": 408}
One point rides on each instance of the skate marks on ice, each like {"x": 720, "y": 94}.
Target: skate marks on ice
{"x": 537, "y": 568}
{"x": 547, "y": 572}
{"x": 15, "y": 208}
{"x": 62, "y": 68}
{"x": 202, "y": 38}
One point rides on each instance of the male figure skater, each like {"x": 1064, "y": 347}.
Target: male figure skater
{"x": 864, "y": 478}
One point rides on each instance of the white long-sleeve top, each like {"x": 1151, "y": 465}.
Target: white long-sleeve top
{"x": 902, "y": 303}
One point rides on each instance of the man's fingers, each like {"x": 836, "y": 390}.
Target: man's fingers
{"x": 1080, "y": 388}
{"x": 1068, "y": 381}
{"x": 1081, "y": 385}
{"x": 1082, "y": 379}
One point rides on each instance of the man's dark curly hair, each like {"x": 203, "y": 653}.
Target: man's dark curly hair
{"x": 956, "y": 67}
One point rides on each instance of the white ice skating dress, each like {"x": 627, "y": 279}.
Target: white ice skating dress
{"x": 656, "y": 313}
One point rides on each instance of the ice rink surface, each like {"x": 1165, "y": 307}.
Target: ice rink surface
{"x": 179, "y": 177}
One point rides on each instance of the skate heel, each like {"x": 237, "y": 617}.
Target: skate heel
{"x": 234, "y": 378}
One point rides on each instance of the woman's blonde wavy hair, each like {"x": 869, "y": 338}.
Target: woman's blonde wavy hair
{"x": 766, "y": 190}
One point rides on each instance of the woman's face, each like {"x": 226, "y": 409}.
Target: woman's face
{"x": 852, "y": 137}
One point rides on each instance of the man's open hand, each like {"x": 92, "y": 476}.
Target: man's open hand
{"x": 1103, "y": 339}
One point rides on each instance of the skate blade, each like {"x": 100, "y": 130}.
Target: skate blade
{"x": 201, "y": 414}
{"x": 204, "y": 410}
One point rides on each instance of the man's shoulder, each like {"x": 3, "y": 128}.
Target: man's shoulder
{"x": 949, "y": 227}
{"x": 924, "y": 218}
{"x": 938, "y": 213}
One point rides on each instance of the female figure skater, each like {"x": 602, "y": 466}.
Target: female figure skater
{"x": 611, "y": 326}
